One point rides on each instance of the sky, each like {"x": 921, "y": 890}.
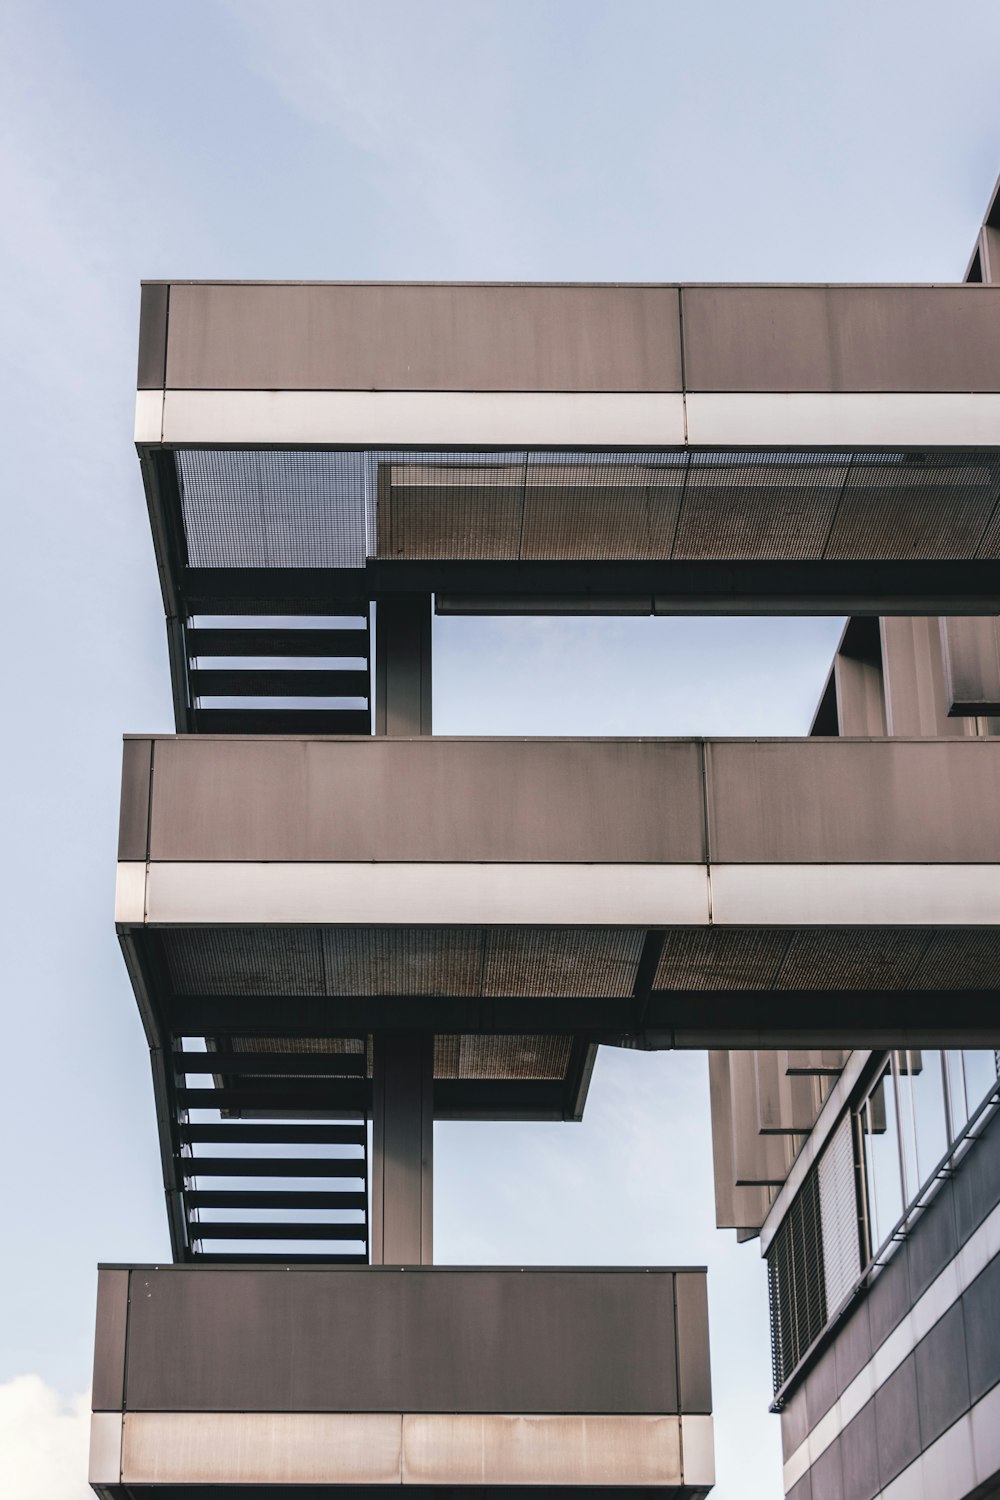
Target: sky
{"x": 797, "y": 140}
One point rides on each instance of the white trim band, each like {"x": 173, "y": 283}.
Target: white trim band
{"x": 745, "y": 419}
{"x": 856, "y": 895}
{"x": 506, "y": 418}
{"x": 531, "y": 895}
{"x": 188, "y": 893}
{"x": 371, "y": 1448}
{"x": 846, "y": 419}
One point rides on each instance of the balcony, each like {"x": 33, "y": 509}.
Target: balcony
{"x": 308, "y": 448}
{"x": 720, "y": 893}
{"x": 293, "y": 1381}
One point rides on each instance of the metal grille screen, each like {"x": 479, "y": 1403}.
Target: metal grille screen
{"x": 795, "y": 1281}
{"x": 839, "y": 1215}
{"x": 814, "y": 1260}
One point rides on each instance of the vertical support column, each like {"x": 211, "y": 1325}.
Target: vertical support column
{"x": 403, "y": 664}
{"x": 403, "y": 1149}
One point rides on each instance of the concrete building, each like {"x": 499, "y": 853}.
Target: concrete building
{"x": 334, "y": 919}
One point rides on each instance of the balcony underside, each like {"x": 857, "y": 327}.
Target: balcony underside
{"x": 640, "y": 530}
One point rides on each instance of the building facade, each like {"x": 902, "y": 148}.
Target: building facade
{"x": 872, "y": 1176}
{"x": 340, "y": 927}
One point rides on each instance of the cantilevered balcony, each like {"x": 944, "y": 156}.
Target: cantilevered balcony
{"x": 310, "y": 448}
{"x": 692, "y": 891}
{"x": 213, "y": 1380}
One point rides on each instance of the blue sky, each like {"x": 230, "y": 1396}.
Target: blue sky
{"x": 556, "y": 139}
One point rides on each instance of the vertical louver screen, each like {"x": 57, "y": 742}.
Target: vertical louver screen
{"x": 838, "y": 1206}
{"x": 814, "y": 1261}
{"x": 795, "y": 1280}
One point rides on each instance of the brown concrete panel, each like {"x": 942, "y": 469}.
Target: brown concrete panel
{"x": 843, "y": 338}
{"x": 152, "y": 336}
{"x": 860, "y": 696}
{"x": 371, "y": 336}
{"x": 758, "y": 1160}
{"x": 970, "y": 649}
{"x": 430, "y": 799}
{"x": 133, "y": 818}
{"x": 691, "y": 1297}
{"x": 418, "y": 1340}
{"x": 854, "y": 801}
{"x": 913, "y": 674}
{"x": 787, "y": 1104}
{"x": 108, "y": 1390}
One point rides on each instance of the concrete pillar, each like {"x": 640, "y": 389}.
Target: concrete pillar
{"x": 403, "y": 664}
{"x": 403, "y": 1149}
{"x": 913, "y": 669}
{"x": 970, "y": 648}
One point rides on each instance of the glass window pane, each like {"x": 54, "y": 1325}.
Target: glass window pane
{"x": 956, "y": 1090}
{"x": 924, "y": 1125}
{"x": 980, "y": 1076}
{"x": 880, "y": 1131}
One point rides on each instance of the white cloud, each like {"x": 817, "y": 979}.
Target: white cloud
{"x": 43, "y": 1441}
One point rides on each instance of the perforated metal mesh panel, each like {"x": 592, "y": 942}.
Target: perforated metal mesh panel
{"x": 274, "y": 509}
{"x": 311, "y": 509}
{"x": 403, "y": 960}
{"x": 759, "y": 505}
{"x": 960, "y": 958}
{"x": 552, "y": 961}
{"x": 466, "y": 508}
{"x": 712, "y": 958}
{"x": 244, "y": 960}
{"x": 343, "y": 961}
{"x": 829, "y": 958}
{"x": 695, "y": 506}
{"x": 844, "y": 959}
{"x": 913, "y": 505}
{"x": 466, "y": 1057}
{"x": 559, "y": 962}
{"x": 616, "y": 507}
{"x": 501, "y": 1057}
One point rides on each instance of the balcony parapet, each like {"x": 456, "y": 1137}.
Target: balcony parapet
{"x": 452, "y": 1377}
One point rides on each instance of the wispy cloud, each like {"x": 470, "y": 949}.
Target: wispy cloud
{"x": 431, "y": 98}
{"x": 43, "y": 1442}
